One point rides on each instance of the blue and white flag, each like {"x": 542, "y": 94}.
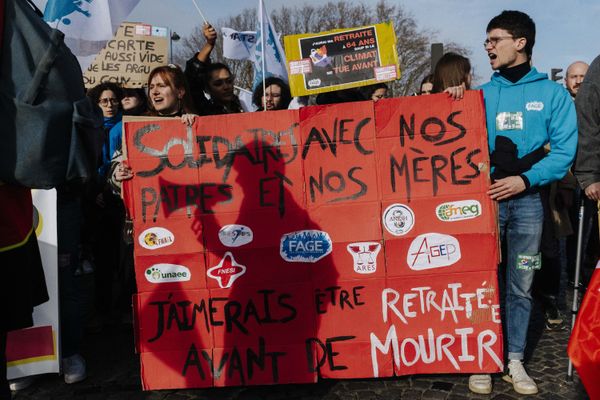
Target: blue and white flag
{"x": 87, "y": 24}
{"x": 238, "y": 45}
{"x": 273, "y": 57}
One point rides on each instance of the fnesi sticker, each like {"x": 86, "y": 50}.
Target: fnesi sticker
{"x": 305, "y": 246}
{"x": 156, "y": 238}
{"x": 235, "y": 235}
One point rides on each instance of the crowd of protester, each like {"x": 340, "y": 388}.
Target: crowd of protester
{"x": 95, "y": 235}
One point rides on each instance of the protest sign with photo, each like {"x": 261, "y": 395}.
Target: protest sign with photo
{"x": 129, "y": 57}
{"x": 341, "y": 59}
{"x": 326, "y": 242}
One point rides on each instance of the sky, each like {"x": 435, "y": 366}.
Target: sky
{"x": 567, "y": 31}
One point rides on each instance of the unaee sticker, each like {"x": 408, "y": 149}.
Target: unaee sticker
{"x": 163, "y": 273}
{"x": 364, "y": 255}
{"x": 458, "y": 210}
{"x": 156, "y": 238}
{"x": 398, "y": 219}
{"x": 227, "y": 271}
{"x": 305, "y": 246}
{"x": 235, "y": 235}
{"x": 432, "y": 250}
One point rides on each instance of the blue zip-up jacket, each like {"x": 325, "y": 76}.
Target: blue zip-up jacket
{"x": 533, "y": 112}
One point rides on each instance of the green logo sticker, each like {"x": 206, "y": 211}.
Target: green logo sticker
{"x": 529, "y": 263}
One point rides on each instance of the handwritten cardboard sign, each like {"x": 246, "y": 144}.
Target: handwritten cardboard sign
{"x": 327, "y": 242}
{"x": 341, "y": 59}
{"x": 129, "y": 57}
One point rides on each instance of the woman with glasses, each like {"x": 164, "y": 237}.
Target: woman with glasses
{"x": 214, "y": 79}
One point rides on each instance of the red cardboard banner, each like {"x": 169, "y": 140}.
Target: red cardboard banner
{"x": 343, "y": 241}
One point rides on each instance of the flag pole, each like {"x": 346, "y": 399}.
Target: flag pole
{"x": 262, "y": 45}
{"x": 199, "y": 12}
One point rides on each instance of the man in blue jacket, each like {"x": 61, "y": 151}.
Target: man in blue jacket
{"x": 525, "y": 111}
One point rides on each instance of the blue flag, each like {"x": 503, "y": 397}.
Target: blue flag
{"x": 272, "y": 56}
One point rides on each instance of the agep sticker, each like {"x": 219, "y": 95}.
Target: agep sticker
{"x": 433, "y": 250}
{"x": 305, "y": 246}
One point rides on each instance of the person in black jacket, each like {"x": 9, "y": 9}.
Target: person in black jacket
{"x": 215, "y": 79}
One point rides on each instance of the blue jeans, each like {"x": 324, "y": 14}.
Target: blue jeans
{"x": 521, "y": 222}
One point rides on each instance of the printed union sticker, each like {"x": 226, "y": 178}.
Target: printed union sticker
{"x": 398, "y": 219}
{"x": 305, "y": 246}
{"x": 458, "y": 210}
{"x": 163, "y": 273}
{"x": 303, "y": 66}
{"x": 385, "y": 73}
{"x": 235, "y": 235}
{"x": 432, "y": 250}
{"x": 143, "y": 30}
{"x": 364, "y": 255}
{"x": 227, "y": 271}
{"x": 156, "y": 238}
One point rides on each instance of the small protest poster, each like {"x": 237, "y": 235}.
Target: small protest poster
{"x": 340, "y": 241}
{"x": 341, "y": 59}
{"x": 128, "y": 58}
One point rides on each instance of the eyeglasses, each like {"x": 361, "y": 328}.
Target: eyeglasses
{"x": 105, "y": 102}
{"x": 494, "y": 40}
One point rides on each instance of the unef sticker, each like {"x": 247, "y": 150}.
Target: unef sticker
{"x": 398, "y": 219}
{"x": 227, "y": 271}
{"x": 509, "y": 121}
{"x": 529, "y": 263}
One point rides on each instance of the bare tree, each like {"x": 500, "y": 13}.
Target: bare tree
{"x": 413, "y": 43}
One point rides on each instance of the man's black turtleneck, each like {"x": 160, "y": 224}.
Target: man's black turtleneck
{"x": 514, "y": 74}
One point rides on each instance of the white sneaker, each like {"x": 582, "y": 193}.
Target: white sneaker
{"x": 20, "y": 383}
{"x": 517, "y": 375}
{"x": 73, "y": 368}
{"x": 481, "y": 383}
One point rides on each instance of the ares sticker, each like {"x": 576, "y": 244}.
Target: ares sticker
{"x": 364, "y": 255}
{"x": 155, "y": 238}
{"x": 235, "y": 235}
{"x": 163, "y": 273}
{"x": 458, "y": 210}
{"x": 433, "y": 250}
{"x": 305, "y": 246}
{"x": 398, "y": 219}
{"x": 529, "y": 263}
{"x": 227, "y": 271}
